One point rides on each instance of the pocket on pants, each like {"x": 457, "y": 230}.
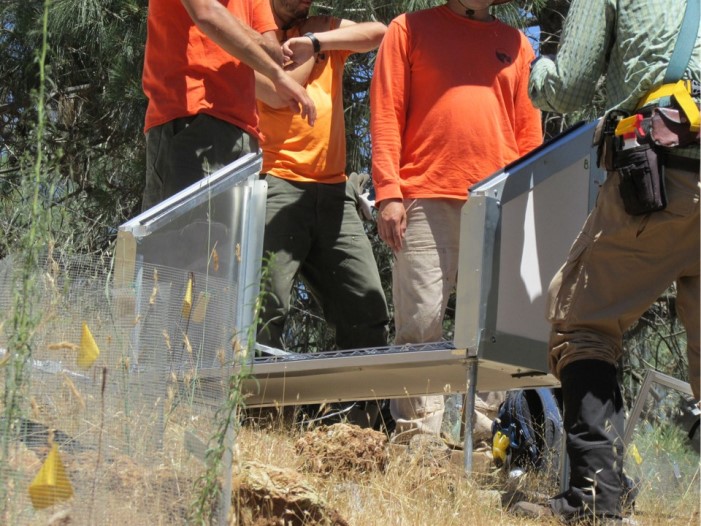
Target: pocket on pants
{"x": 567, "y": 283}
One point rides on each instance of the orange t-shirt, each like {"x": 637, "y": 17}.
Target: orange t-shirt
{"x": 449, "y": 104}
{"x": 186, "y": 73}
{"x": 295, "y": 151}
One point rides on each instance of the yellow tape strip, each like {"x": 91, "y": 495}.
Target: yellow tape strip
{"x": 688, "y": 106}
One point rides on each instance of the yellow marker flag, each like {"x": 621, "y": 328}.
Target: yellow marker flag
{"x": 187, "y": 300}
{"x": 200, "y": 309}
{"x": 633, "y": 451}
{"x": 88, "y": 352}
{"x": 51, "y": 485}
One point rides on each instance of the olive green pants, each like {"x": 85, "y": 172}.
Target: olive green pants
{"x": 183, "y": 151}
{"x": 313, "y": 230}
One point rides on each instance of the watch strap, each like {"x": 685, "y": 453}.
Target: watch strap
{"x": 315, "y": 41}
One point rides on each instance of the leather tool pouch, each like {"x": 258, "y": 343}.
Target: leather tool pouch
{"x": 669, "y": 127}
{"x": 641, "y": 179}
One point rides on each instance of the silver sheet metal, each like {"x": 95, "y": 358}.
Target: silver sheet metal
{"x": 516, "y": 230}
{"x": 204, "y": 243}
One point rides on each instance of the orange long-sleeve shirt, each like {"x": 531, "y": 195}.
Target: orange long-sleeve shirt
{"x": 449, "y": 104}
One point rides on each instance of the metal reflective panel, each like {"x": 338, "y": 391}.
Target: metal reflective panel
{"x": 516, "y": 231}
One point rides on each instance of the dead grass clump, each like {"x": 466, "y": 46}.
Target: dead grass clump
{"x": 153, "y": 492}
{"x": 343, "y": 449}
{"x": 265, "y": 495}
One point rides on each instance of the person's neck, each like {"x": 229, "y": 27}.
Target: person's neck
{"x": 459, "y": 8}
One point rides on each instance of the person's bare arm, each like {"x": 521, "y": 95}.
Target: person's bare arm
{"x": 349, "y": 36}
{"x": 251, "y": 48}
{"x": 265, "y": 90}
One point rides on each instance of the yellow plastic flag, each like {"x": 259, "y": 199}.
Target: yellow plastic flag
{"x": 633, "y": 451}
{"x": 500, "y": 444}
{"x": 200, "y": 307}
{"x": 88, "y": 352}
{"x": 51, "y": 484}
{"x": 187, "y": 300}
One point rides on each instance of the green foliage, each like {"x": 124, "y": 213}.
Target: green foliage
{"x": 669, "y": 468}
{"x": 24, "y": 317}
{"x": 94, "y": 114}
{"x": 656, "y": 341}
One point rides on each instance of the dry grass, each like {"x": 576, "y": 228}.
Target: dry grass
{"x": 407, "y": 491}
{"x": 330, "y": 475}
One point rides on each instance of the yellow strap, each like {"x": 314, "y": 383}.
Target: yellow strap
{"x": 689, "y": 107}
{"x": 666, "y": 90}
{"x": 681, "y": 93}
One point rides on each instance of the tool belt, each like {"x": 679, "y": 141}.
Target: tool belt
{"x": 635, "y": 146}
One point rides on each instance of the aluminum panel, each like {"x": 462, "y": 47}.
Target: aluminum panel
{"x": 539, "y": 205}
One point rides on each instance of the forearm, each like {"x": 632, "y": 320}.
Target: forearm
{"x": 386, "y": 133}
{"x": 386, "y": 127}
{"x": 265, "y": 90}
{"x": 359, "y": 38}
{"x": 529, "y": 131}
{"x": 389, "y": 92}
{"x": 233, "y": 36}
{"x": 568, "y": 82}
{"x": 349, "y": 36}
{"x": 270, "y": 45}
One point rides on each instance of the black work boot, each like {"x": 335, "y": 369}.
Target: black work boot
{"x": 593, "y": 421}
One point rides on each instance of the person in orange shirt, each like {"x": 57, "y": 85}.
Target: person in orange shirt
{"x": 199, "y": 81}
{"x": 312, "y": 225}
{"x": 449, "y": 106}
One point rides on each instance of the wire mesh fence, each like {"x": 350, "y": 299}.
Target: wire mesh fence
{"x": 112, "y": 391}
{"x": 129, "y": 366}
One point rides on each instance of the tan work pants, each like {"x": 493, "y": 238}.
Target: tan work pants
{"x": 423, "y": 277}
{"x": 618, "y": 266}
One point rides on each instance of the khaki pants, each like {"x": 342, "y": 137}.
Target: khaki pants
{"x": 618, "y": 266}
{"x": 424, "y": 275}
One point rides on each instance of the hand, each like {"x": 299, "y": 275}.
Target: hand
{"x": 296, "y": 97}
{"x": 298, "y": 50}
{"x": 533, "y": 62}
{"x": 391, "y": 223}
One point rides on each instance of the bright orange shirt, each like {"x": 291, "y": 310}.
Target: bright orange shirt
{"x": 186, "y": 73}
{"x": 448, "y": 104}
{"x": 295, "y": 151}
